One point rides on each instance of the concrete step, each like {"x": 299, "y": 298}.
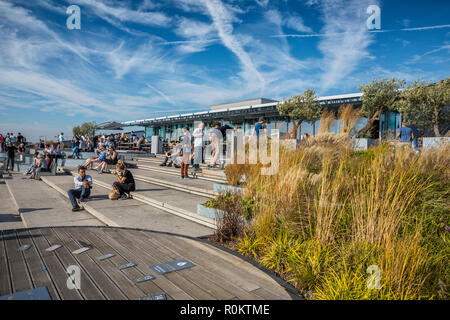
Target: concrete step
{"x": 131, "y": 213}
{"x": 204, "y": 175}
{"x": 173, "y": 201}
{"x": 160, "y": 159}
{"x": 9, "y": 215}
{"x": 194, "y": 186}
{"x": 40, "y": 206}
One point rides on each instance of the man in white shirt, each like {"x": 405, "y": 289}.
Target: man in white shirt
{"x": 82, "y": 190}
{"x": 198, "y": 145}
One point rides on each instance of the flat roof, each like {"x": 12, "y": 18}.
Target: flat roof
{"x": 342, "y": 98}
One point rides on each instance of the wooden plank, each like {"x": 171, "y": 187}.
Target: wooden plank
{"x": 54, "y": 267}
{"x": 35, "y": 264}
{"x": 20, "y": 277}
{"x": 97, "y": 274}
{"x": 88, "y": 288}
{"x": 267, "y": 294}
{"x": 122, "y": 280}
{"x": 242, "y": 270}
{"x": 219, "y": 275}
{"x": 149, "y": 287}
{"x": 193, "y": 276}
{"x": 5, "y": 280}
{"x": 202, "y": 263}
{"x": 168, "y": 287}
{"x": 239, "y": 276}
{"x": 152, "y": 258}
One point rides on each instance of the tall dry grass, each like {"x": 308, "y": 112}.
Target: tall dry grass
{"x": 331, "y": 212}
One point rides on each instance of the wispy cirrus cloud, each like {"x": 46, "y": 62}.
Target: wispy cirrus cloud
{"x": 345, "y": 38}
{"x": 125, "y": 14}
{"x": 223, "y": 19}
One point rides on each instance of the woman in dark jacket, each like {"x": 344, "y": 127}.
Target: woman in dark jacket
{"x": 125, "y": 181}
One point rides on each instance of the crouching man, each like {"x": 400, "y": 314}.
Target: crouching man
{"x": 82, "y": 190}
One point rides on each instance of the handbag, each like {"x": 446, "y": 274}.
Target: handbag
{"x": 114, "y": 194}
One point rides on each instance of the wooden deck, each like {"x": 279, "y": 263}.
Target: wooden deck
{"x": 216, "y": 275}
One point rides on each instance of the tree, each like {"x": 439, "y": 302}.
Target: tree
{"x": 378, "y": 96}
{"x": 87, "y": 128}
{"x": 426, "y": 105}
{"x": 303, "y": 107}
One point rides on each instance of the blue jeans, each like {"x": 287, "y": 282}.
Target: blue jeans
{"x": 77, "y": 194}
{"x": 76, "y": 152}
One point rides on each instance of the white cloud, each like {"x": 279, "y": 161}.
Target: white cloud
{"x": 124, "y": 14}
{"x": 223, "y": 19}
{"x": 262, "y": 3}
{"x": 345, "y": 41}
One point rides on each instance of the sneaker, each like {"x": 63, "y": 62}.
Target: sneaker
{"x": 74, "y": 209}
{"x": 182, "y": 177}
{"x": 162, "y": 165}
{"x": 123, "y": 197}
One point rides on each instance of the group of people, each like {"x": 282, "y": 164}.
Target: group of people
{"x": 83, "y": 184}
{"x": 105, "y": 154}
{"x": 43, "y": 161}
{"x": 189, "y": 149}
{"x": 12, "y": 144}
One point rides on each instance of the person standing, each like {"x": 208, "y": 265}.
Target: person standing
{"x": 258, "y": 127}
{"x": 61, "y": 137}
{"x": 11, "y": 151}
{"x": 82, "y": 190}
{"x": 187, "y": 148}
{"x": 214, "y": 138}
{"x": 2, "y": 142}
{"x": 405, "y": 134}
{"x": 198, "y": 145}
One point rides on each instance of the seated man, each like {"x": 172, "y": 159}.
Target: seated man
{"x": 82, "y": 190}
{"x": 169, "y": 153}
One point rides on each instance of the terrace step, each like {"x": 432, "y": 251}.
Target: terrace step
{"x": 194, "y": 186}
{"x": 39, "y": 206}
{"x": 177, "y": 202}
{"x": 206, "y": 174}
{"x": 130, "y": 213}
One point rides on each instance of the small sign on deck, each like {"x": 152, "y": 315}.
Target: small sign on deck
{"x": 161, "y": 296}
{"x": 40, "y": 293}
{"x": 106, "y": 256}
{"x": 127, "y": 265}
{"x": 172, "y": 266}
{"x": 24, "y": 247}
{"x": 81, "y": 250}
{"x": 143, "y": 278}
{"x": 53, "y": 248}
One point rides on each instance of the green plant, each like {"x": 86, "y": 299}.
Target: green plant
{"x": 250, "y": 245}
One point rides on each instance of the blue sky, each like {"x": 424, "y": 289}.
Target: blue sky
{"x": 135, "y": 59}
